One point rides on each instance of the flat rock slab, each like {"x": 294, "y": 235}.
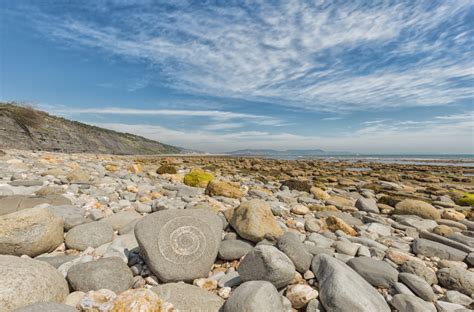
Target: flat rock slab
{"x": 255, "y": 296}
{"x": 341, "y": 289}
{"x": 187, "y": 297}
{"x": 9, "y": 204}
{"x": 25, "y": 281}
{"x": 30, "y": 232}
{"x": 109, "y": 273}
{"x": 179, "y": 245}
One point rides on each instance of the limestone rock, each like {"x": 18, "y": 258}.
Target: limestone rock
{"x": 30, "y": 232}
{"x": 299, "y": 295}
{"x": 255, "y": 296}
{"x": 457, "y": 279}
{"x": 410, "y": 303}
{"x": 253, "y": 220}
{"x": 46, "y": 307}
{"x": 377, "y": 273}
{"x": 25, "y": 281}
{"x": 234, "y": 249}
{"x": 185, "y": 297}
{"x": 418, "y": 208}
{"x": 138, "y": 300}
{"x": 292, "y": 246}
{"x": 335, "y": 223}
{"x": 222, "y": 188}
{"x": 179, "y": 244}
{"x": 93, "y": 234}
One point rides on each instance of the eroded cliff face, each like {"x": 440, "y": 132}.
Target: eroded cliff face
{"x": 26, "y": 128}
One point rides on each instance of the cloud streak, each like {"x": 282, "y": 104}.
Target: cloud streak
{"x": 353, "y": 56}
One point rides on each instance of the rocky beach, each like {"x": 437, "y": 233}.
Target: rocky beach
{"x": 87, "y": 232}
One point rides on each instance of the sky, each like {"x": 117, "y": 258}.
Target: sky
{"x": 383, "y": 77}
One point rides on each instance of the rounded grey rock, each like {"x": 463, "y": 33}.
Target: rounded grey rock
{"x": 46, "y": 307}
{"x": 367, "y": 204}
{"x": 409, "y": 303}
{"x": 457, "y": 279}
{"x": 234, "y": 249}
{"x": 418, "y": 285}
{"x": 342, "y": 289}
{"x": 25, "y": 281}
{"x": 109, "y": 273}
{"x": 267, "y": 263}
{"x": 434, "y": 249}
{"x": 259, "y": 296}
{"x": 93, "y": 234}
{"x": 179, "y": 245}
{"x": 291, "y": 245}
{"x": 187, "y": 297}
{"x": 377, "y": 273}
{"x": 418, "y": 268}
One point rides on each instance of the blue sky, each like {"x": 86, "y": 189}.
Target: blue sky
{"x": 361, "y": 76}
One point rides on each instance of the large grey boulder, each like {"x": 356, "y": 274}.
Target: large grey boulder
{"x": 410, "y": 303}
{"x": 259, "y": 296}
{"x": 267, "y": 263}
{"x": 341, "y": 289}
{"x": 30, "y": 232}
{"x": 457, "y": 279}
{"x": 179, "y": 245}
{"x": 109, "y": 273}
{"x": 377, "y": 273}
{"x": 25, "y": 281}
{"x": 187, "y": 297}
{"x": 46, "y": 307}
{"x": 367, "y": 204}
{"x": 418, "y": 285}
{"x": 433, "y": 249}
{"x": 234, "y": 249}
{"x": 292, "y": 246}
{"x": 93, "y": 234}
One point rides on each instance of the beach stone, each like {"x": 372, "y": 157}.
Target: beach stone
{"x": 455, "y": 296}
{"x": 451, "y": 214}
{"x": 319, "y": 193}
{"x": 122, "y": 246}
{"x": 30, "y": 232}
{"x": 418, "y": 285}
{"x": 297, "y": 185}
{"x": 92, "y": 234}
{"x": 367, "y": 204}
{"x": 25, "y": 281}
{"x": 267, "y": 263}
{"x": 185, "y": 297}
{"x": 9, "y": 204}
{"x": 121, "y": 218}
{"x": 418, "y": 208}
{"x": 78, "y": 175}
{"x": 346, "y": 248}
{"x": 410, "y": 303}
{"x": 299, "y": 295}
{"x": 230, "y": 279}
{"x": 443, "y": 230}
{"x": 46, "y": 307}
{"x": 97, "y": 300}
{"x": 377, "y": 273}
{"x": 106, "y": 273}
{"x": 342, "y": 289}
{"x": 434, "y": 249}
{"x": 292, "y": 246}
{"x": 254, "y": 221}
{"x": 57, "y": 261}
{"x": 234, "y": 249}
{"x": 171, "y": 240}
{"x": 335, "y": 224}
{"x": 255, "y": 296}
{"x": 140, "y": 300}
{"x": 222, "y": 188}
{"x": 418, "y": 268}
{"x": 457, "y": 279}
{"x": 69, "y": 213}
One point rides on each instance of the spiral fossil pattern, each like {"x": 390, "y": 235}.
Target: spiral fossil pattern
{"x": 181, "y": 241}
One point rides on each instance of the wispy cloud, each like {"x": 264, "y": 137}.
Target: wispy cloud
{"x": 353, "y": 56}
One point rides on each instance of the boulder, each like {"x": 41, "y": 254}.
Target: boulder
{"x": 30, "y": 232}
{"x": 259, "y": 296}
{"x": 179, "y": 245}
{"x": 266, "y": 263}
{"x": 433, "y": 249}
{"x": 254, "y": 221}
{"x": 185, "y": 297}
{"x": 25, "y": 281}
{"x": 418, "y": 208}
{"x": 93, "y": 234}
{"x": 457, "y": 279}
{"x": 292, "y": 246}
{"x": 198, "y": 178}
{"x": 377, "y": 273}
{"x": 106, "y": 273}
{"x": 222, "y": 188}
{"x": 341, "y": 289}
